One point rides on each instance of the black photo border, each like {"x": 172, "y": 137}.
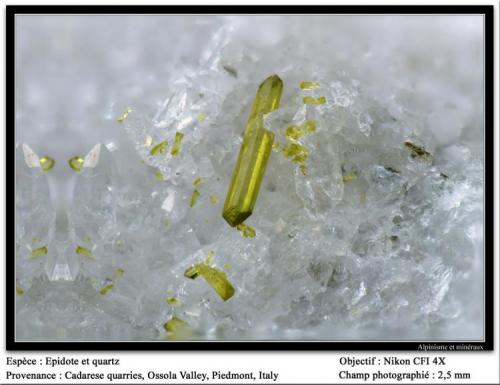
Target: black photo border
{"x": 439, "y": 346}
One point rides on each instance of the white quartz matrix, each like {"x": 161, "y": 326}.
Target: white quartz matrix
{"x": 372, "y": 243}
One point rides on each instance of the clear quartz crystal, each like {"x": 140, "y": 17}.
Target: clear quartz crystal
{"x": 35, "y": 217}
{"x": 92, "y": 211}
{"x": 62, "y": 262}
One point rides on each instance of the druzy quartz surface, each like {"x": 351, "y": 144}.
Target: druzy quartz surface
{"x": 368, "y": 223}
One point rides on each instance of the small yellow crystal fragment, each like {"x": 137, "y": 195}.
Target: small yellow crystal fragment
{"x": 39, "y": 251}
{"x": 173, "y": 323}
{"x": 213, "y": 199}
{"x": 19, "y": 290}
{"x": 47, "y": 163}
{"x": 254, "y": 154}
{"x": 294, "y": 132}
{"x": 160, "y": 148}
{"x": 201, "y": 117}
{"x": 177, "y": 328}
{"x": 76, "y": 163}
{"x": 417, "y": 151}
{"x": 215, "y": 278}
{"x": 84, "y": 251}
{"x": 106, "y": 289}
{"x": 227, "y": 266}
{"x": 309, "y": 125}
{"x": 314, "y": 101}
{"x": 194, "y": 198}
{"x": 159, "y": 176}
{"x": 308, "y": 86}
{"x": 124, "y": 115}
{"x": 172, "y": 301}
{"x": 349, "y": 176}
{"x": 177, "y": 143}
{"x": 246, "y": 231}
{"x": 119, "y": 273}
{"x": 296, "y": 152}
{"x": 198, "y": 181}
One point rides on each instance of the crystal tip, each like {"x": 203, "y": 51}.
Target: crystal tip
{"x": 235, "y": 217}
{"x": 275, "y": 79}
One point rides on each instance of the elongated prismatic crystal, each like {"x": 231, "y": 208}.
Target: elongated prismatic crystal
{"x": 254, "y": 153}
{"x": 215, "y": 278}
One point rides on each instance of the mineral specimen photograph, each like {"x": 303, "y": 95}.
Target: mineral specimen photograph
{"x": 257, "y": 177}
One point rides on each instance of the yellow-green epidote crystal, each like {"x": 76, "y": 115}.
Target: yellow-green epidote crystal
{"x": 106, "y": 289}
{"x": 347, "y": 177}
{"x": 39, "y": 251}
{"x": 124, "y": 115}
{"x": 177, "y": 143}
{"x": 159, "y": 176}
{"x": 314, "y": 101}
{"x": 160, "y": 148}
{"x": 177, "y": 329}
{"x": 295, "y": 132}
{"x": 215, "y": 278}
{"x": 308, "y": 86}
{"x": 47, "y": 163}
{"x": 172, "y": 301}
{"x": 254, "y": 153}
{"x": 76, "y": 163}
{"x": 84, "y": 251}
{"x": 119, "y": 273}
{"x": 246, "y": 231}
{"x": 194, "y": 198}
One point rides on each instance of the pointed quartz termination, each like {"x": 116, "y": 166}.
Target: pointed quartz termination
{"x": 254, "y": 153}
